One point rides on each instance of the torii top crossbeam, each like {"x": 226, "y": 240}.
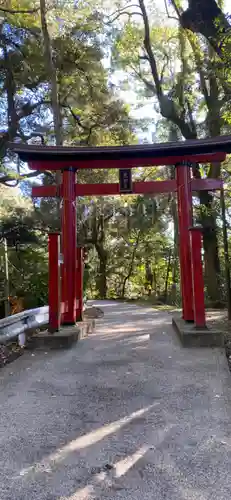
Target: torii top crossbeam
{"x": 55, "y": 157}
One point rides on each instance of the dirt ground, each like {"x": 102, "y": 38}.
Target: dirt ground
{"x": 126, "y": 414}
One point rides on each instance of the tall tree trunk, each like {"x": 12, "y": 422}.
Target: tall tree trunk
{"x": 210, "y": 244}
{"x": 226, "y": 252}
{"x": 7, "y": 282}
{"x": 130, "y": 269}
{"x": 12, "y": 124}
{"x": 174, "y": 136}
{"x": 154, "y": 286}
{"x": 167, "y": 276}
{"x": 148, "y": 277}
{"x": 51, "y": 74}
{"x": 175, "y": 258}
{"x": 208, "y": 214}
{"x": 102, "y": 280}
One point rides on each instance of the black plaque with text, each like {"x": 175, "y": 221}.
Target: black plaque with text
{"x": 125, "y": 180}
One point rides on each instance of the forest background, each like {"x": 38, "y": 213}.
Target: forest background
{"x": 112, "y": 73}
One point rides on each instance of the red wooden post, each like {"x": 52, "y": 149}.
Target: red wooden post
{"x": 63, "y": 299}
{"x": 197, "y": 274}
{"x": 79, "y": 284}
{"x": 184, "y": 195}
{"x": 54, "y": 282}
{"x": 69, "y": 247}
{"x": 62, "y": 305}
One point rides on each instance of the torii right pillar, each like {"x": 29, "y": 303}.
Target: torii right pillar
{"x": 197, "y": 277}
{"x": 69, "y": 247}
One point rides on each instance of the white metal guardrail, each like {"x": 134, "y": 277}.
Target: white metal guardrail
{"x": 13, "y": 326}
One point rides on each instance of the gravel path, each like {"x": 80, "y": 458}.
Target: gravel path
{"x": 126, "y": 414}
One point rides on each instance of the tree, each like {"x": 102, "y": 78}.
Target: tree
{"x": 70, "y": 86}
{"x": 184, "y": 94}
{"x": 55, "y": 88}
{"x": 207, "y": 18}
{"x": 51, "y": 71}
{"x": 20, "y": 91}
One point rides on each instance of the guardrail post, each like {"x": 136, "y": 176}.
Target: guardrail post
{"x": 54, "y": 281}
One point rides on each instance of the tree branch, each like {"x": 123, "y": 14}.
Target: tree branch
{"x": 121, "y": 10}
{"x": 208, "y": 19}
{"x": 148, "y": 48}
{"x": 124, "y": 13}
{"x": 190, "y": 113}
{"x": 32, "y": 135}
{"x": 7, "y": 136}
{"x": 199, "y": 64}
{"x": 147, "y": 83}
{"x": 167, "y": 11}
{"x": 76, "y": 117}
{"x": 7, "y": 10}
{"x": 167, "y": 105}
{"x": 19, "y": 11}
{"x": 177, "y": 9}
{"x": 18, "y": 178}
{"x": 164, "y": 68}
{"x": 28, "y": 109}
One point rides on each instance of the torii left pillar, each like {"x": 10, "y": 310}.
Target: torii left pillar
{"x": 69, "y": 312}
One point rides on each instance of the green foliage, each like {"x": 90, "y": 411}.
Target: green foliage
{"x": 27, "y": 249}
{"x": 28, "y": 268}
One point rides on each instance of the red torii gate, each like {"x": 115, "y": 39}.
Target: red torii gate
{"x": 71, "y": 159}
